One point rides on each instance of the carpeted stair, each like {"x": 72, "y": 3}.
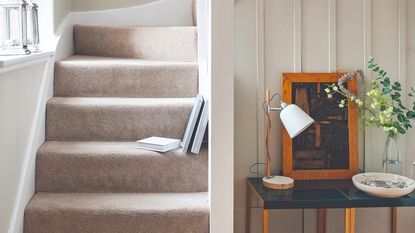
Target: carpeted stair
{"x": 122, "y": 84}
{"x": 90, "y": 76}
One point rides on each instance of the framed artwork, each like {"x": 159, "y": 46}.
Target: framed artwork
{"x": 329, "y": 148}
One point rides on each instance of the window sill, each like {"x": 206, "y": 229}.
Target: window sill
{"x": 8, "y": 63}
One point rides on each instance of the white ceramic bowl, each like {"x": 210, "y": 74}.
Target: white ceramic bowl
{"x": 379, "y": 184}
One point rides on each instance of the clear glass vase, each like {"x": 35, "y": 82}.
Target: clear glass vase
{"x": 392, "y": 162}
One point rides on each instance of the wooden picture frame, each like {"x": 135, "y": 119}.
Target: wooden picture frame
{"x": 317, "y": 163}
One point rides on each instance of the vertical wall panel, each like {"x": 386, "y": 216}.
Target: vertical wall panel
{"x": 406, "y": 217}
{"x": 319, "y": 19}
{"x": 332, "y": 30}
{"x": 373, "y": 220}
{"x": 297, "y": 35}
{"x": 367, "y": 38}
{"x": 410, "y": 72}
{"x": 349, "y": 56}
{"x": 350, "y": 45}
{"x": 245, "y": 102}
{"x": 385, "y": 42}
{"x": 315, "y": 36}
{"x": 402, "y": 63}
{"x": 279, "y": 57}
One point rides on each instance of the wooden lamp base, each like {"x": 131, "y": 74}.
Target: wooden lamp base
{"x": 278, "y": 182}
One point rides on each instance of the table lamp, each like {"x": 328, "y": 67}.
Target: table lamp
{"x": 295, "y": 121}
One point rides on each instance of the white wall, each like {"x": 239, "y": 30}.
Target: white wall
{"x": 17, "y": 107}
{"x": 91, "y": 5}
{"x": 314, "y": 36}
{"x": 61, "y": 8}
{"x": 221, "y": 122}
{"x": 24, "y": 90}
{"x": 19, "y": 102}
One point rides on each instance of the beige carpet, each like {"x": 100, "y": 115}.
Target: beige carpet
{"x": 122, "y": 84}
{"x": 117, "y": 213}
{"x": 117, "y": 167}
{"x": 116, "y": 119}
{"x": 86, "y": 76}
{"x": 152, "y": 43}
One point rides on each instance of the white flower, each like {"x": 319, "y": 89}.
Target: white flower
{"x": 388, "y": 129}
{"x": 373, "y": 106}
{"x": 327, "y": 90}
{"x": 359, "y": 102}
{"x": 341, "y": 105}
{"x": 343, "y": 102}
{"x": 389, "y": 110}
{"x": 335, "y": 88}
{"x": 329, "y": 96}
{"x": 353, "y": 98}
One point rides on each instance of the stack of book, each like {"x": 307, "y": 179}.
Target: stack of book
{"x": 193, "y": 136}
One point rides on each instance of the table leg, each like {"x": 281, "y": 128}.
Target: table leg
{"x": 248, "y": 210}
{"x": 322, "y": 217}
{"x": 349, "y": 220}
{"x": 394, "y": 219}
{"x": 265, "y": 216}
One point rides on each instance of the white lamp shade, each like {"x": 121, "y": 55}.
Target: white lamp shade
{"x": 295, "y": 120}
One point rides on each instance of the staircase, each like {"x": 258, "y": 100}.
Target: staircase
{"x": 122, "y": 84}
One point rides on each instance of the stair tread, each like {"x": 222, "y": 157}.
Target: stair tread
{"x": 117, "y": 212}
{"x": 87, "y": 60}
{"x": 118, "y": 101}
{"x": 154, "y": 43}
{"x": 116, "y": 119}
{"x": 76, "y": 166}
{"x": 89, "y": 76}
{"x": 99, "y": 148}
{"x": 119, "y": 202}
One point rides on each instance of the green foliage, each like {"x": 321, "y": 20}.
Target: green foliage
{"x": 400, "y": 118}
{"x": 384, "y": 105}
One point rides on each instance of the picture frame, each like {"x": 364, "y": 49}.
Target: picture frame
{"x": 329, "y": 148}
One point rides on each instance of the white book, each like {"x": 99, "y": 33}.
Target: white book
{"x": 158, "y": 144}
{"x": 192, "y": 123}
{"x": 201, "y": 129}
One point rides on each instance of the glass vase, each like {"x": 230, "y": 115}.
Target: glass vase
{"x": 392, "y": 162}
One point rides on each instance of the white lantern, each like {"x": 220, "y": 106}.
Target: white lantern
{"x": 19, "y": 29}
{"x": 32, "y": 27}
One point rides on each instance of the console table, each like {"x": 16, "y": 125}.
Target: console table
{"x": 321, "y": 195}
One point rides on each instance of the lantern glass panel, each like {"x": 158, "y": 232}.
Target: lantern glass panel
{"x": 33, "y": 27}
{"x": 29, "y": 25}
{"x": 13, "y": 28}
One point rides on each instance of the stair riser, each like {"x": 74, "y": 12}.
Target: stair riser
{"x": 67, "y": 122}
{"x": 153, "y": 43}
{"x": 65, "y": 172}
{"x": 72, "y": 221}
{"x": 133, "y": 81}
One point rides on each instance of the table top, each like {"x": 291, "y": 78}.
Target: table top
{"x": 315, "y": 194}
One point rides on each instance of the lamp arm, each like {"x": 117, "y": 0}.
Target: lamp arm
{"x": 277, "y": 109}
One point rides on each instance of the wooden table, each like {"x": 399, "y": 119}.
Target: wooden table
{"x": 321, "y": 195}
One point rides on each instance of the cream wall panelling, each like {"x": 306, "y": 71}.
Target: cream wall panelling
{"x": 323, "y": 36}
{"x": 367, "y": 37}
